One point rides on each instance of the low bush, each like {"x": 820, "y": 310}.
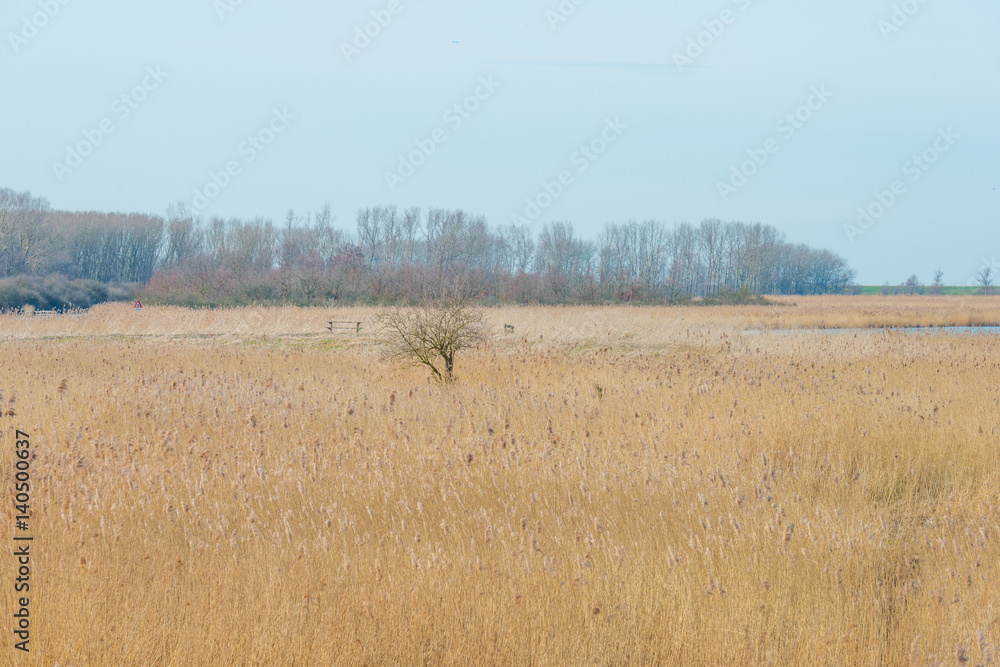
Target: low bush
{"x": 55, "y": 292}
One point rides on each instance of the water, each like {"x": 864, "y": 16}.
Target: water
{"x": 910, "y": 330}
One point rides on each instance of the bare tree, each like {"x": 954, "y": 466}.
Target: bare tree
{"x": 522, "y": 247}
{"x": 295, "y": 240}
{"x": 985, "y": 279}
{"x": 684, "y": 260}
{"x": 410, "y": 231}
{"x": 21, "y": 218}
{"x": 183, "y": 238}
{"x": 710, "y": 239}
{"x": 565, "y": 262}
{"x": 913, "y": 285}
{"x": 938, "y": 286}
{"x": 369, "y": 233}
{"x": 445, "y": 233}
{"x": 431, "y": 334}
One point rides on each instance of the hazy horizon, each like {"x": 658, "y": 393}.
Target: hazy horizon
{"x": 887, "y": 106}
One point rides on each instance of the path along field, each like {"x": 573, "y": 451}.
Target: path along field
{"x": 604, "y": 486}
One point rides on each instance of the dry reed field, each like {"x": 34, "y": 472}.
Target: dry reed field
{"x": 605, "y": 486}
{"x": 569, "y": 325}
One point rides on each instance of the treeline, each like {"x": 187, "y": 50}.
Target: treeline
{"x": 399, "y": 255}
{"x": 394, "y": 255}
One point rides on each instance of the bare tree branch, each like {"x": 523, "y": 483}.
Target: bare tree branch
{"x": 431, "y": 335}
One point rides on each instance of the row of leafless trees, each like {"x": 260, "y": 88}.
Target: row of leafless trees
{"x": 630, "y": 261}
{"x": 22, "y": 233}
{"x": 402, "y": 254}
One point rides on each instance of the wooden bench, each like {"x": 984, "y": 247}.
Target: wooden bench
{"x": 343, "y": 326}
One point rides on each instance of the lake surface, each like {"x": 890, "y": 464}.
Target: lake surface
{"x": 909, "y": 330}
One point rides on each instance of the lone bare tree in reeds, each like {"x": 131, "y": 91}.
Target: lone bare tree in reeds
{"x": 432, "y": 334}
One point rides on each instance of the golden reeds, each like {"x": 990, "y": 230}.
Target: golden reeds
{"x": 677, "y": 486}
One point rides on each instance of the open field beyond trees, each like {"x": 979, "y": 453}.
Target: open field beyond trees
{"x": 603, "y": 486}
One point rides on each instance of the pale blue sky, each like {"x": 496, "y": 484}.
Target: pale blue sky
{"x": 686, "y": 128}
